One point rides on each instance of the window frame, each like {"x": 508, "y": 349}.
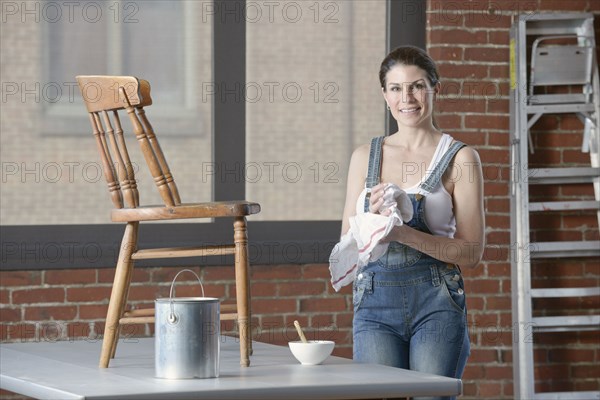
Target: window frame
{"x": 38, "y": 247}
{"x": 62, "y": 118}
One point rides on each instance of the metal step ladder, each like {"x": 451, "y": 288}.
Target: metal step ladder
{"x": 549, "y": 51}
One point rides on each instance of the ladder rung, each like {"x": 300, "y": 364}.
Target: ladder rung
{"x": 564, "y": 249}
{"x": 560, "y": 108}
{"x": 565, "y": 205}
{"x": 564, "y": 100}
{"x": 566, "y": 292}
{"x": 554, "y": 23}
{"x": 551, "y": 176}
{"x": 566, "y": 323}
{"x": 566, "y": 395}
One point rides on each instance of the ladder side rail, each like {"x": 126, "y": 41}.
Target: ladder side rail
{"x": 515, "y": 176}
{"x": 523, "y": 327}
{"x": 524, "y": 255}
{"x": 514, "y": 102}
{"x": 593, "y": 124}
{"x": 588, "y": 38}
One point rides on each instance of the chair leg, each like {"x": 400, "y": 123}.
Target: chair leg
{"x": 249, "y": 299}
{"x": 129, "y": 269}
{"x": 118, "y": 293}
{"x": 242, "y": 278}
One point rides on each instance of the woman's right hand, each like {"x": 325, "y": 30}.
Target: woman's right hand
{"x": 376, "y": 200}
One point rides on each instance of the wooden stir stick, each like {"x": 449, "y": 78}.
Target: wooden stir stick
{"x": 300, "y": 333}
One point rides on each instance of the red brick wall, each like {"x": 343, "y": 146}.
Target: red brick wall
{"x": 469, "y": 39}
{"x": 67, "y": 304}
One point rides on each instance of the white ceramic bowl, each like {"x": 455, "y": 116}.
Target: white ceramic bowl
{"x": 312, "y": 353}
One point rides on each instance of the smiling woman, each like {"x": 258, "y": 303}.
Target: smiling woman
{"x": 409, "y": 304}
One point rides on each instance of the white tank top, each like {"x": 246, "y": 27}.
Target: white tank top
{"x": 439, "y": 211}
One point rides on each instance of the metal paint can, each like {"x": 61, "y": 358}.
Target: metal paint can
{"x": 187, "y": 336}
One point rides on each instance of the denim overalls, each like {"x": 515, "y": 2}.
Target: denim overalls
{"x": 409, "y": 308}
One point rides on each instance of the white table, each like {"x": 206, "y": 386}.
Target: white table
{"x": 68, "y": 370}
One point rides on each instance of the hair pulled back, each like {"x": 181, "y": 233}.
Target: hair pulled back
{"x": 409, "y": 55}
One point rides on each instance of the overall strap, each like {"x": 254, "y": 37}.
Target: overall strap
{"x": 436, "y": 175}
{"x": 374, "y": 170}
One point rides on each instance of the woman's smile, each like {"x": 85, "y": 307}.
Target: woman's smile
{"x": 410, "y": 110}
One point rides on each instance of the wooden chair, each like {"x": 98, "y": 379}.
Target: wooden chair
{"x": 104, "y": 96}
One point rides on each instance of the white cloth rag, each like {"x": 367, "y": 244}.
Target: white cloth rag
{"x": 360, "y": 244}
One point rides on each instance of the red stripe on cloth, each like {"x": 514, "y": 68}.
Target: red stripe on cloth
{"x": 346, "y": 274}
{"x": 371, "y": 239}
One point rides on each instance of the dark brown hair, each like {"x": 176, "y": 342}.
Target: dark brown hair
{"x": 409, "y": 55}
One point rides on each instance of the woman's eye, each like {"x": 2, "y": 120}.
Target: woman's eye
{"x": 395, "y": 89}
{"x": 417, "y": 87}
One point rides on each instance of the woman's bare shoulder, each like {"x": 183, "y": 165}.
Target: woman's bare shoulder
{"x": 360, "y": 155}
{"x": 362, "y": 150}
{"x": 467, "y": 155}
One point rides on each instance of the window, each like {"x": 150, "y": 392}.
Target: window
{"x": 128, "y": 38}
{"x": 51, "y": 172}
{"x": 312, "y": 94}
{"x": 55, "y": 207}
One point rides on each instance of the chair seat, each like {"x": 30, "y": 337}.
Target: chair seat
{"x": 186, "y": 210}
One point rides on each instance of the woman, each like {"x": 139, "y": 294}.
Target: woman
{"x": 409, "y": 305}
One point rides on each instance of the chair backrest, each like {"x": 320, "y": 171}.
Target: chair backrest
{"x": 104, "y": 96}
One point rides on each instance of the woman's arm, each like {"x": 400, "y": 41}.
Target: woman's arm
{"x": 356, "y": 183}
{"x": 466, "y": 248}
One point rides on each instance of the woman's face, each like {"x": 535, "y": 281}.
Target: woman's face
{"x": 410, "y": 96}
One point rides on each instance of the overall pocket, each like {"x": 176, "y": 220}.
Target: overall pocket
{"x": 363, "y": 284}
{"x": 400, "y": 256}
{"x": 455, "y": 290}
